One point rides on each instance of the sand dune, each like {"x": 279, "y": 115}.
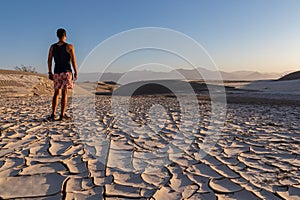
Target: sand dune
{"x": 291, "y": 76}
{"x": 16, "y": 83}
{"x": 24, "y": 84}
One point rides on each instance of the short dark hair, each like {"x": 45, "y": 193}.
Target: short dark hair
{"x": 61, "y": 33}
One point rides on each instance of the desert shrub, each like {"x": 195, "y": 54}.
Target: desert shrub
{"x": 24, "y": 68}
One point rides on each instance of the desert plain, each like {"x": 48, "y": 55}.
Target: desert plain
{"x": 149, "y": 153}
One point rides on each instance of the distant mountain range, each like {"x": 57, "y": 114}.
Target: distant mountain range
{"x": 189, "y": 74}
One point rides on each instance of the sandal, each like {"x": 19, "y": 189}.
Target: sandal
{"x": 64, "y": 117}
{"x": 51, "y": 117}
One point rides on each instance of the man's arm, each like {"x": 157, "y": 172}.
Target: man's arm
{"x": 71, "y": 50}
{"x": 50, "y": 63}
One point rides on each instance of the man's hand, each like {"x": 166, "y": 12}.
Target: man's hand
{"x": 51, "y": 77}
{"x": 75, "y": 76}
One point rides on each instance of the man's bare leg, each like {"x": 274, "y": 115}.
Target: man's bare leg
{"x": 54, "y": 101}
{"x": 64, "y": 101}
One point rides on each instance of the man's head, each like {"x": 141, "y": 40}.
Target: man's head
{"x": 61, "y": 33}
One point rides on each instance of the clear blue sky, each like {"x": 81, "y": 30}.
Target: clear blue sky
{"x": 262, "y": 35}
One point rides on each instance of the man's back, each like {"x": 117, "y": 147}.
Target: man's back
{"x": 61, "y": 58}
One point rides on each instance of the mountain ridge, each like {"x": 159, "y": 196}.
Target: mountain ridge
{"x": 181, "y": 73}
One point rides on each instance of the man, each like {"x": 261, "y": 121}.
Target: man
{"x": 63, "y": 54}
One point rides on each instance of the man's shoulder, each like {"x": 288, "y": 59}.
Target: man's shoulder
{"x": 53, "y": 45}
{"x": 70, "y": 46}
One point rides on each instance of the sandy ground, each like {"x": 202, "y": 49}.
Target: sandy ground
{"x": 149, "y": 152}
{"x": 256, "y": 155}
{"x": 275, "y": 89}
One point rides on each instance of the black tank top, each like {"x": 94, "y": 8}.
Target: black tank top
{"x": 61, "y": 58}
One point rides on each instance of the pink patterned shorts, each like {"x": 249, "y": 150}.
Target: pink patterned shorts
{"x": 63, "y": 80}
